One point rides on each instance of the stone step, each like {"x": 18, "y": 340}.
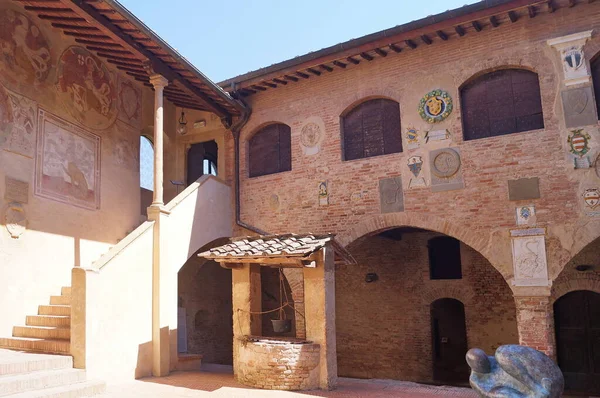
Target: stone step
{"x": 42, "y": 332}
{"x": 85, "y": 389}
{"x": 14, "y": 384}
{"x": 189, "y": 361}
{"x": 48, "y": 320}
{"x": 14, "y": 362}
{"x": 30, "y": 344}
{"x": 65, "y": 291}
{"x": 60, "y": 300}
{"x": 64, "y": 310}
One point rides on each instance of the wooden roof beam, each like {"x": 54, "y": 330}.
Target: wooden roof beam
{"x": 303, "y": 75}
{"x": 339, "y": 64}
{"x": 290, "y": 78}
{"x": 494, "y": 21}
{"x": 49, "y": 9}
{"x": 395, "y": 48}
{"x": 476, "y": 26}
{"x": 531, "y": 10}
{"x": 513, "y": 16}
{"x": 353, "y": 60}
{"x": 411, "y": 44}
{"x": 380, "y": 52}
{"x": 551, "y": 7}
{"x": 268, "y": 84}
{"x": 426, "y": 39}
{"x": 366, "y": 56}
{"x": 84, "y": 9}
{"x": 571, "y": 3}
{"x": 98, "y": 43}
{"x": 326, "y": 68}
{"x": 314, "y": 71}
{"x": 60, "y": 18}
{"x": 280, "y": 81}
{"x": 67, "y": 26}
{"x": 442, "y": 35}
{"x": 459, "y": 30}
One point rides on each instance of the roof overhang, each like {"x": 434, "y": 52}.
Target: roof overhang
{"x": 449, "y": 25}
{"x": 113, "y": 33}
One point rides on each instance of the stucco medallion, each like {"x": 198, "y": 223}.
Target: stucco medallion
{"x": 25, "y": 50}
{"x": 435, "y": 106}
{"x": 86, "y": 88}
{"x": 15, "y": 220}
{"x": 446, "y": 163}
{"x": 312, "y": 134}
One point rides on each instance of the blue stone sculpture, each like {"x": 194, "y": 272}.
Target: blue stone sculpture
{"x": 514, "y": 371}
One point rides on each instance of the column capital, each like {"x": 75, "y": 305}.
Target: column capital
{"x": 159, "y": 81}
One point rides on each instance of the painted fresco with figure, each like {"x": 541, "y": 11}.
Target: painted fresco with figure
{"x": 6, "y": 117}
{"x": 25, "y": 52}
{"x": 68, "y": 163}
{"x": 130, "y": 102}
{"x": 86, "y": 88}
{"x": 21, "y": 138}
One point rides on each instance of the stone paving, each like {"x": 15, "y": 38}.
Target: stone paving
{"x": 219, "y": 382}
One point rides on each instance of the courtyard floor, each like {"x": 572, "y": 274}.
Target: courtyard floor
{"x": 217, "y": 381}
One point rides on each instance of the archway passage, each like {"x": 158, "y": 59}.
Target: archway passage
{"x": 577, "y": 322}
{"x": 449, "y": 332}
{"x": 205, "y": 324}
{"x": 383, "y": 304}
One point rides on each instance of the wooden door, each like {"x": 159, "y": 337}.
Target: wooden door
{"x": 195, "y": 162}
{"x": 449, "y": 334}
{"x": 577, "y": 322}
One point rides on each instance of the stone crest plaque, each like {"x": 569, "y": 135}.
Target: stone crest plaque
{"x": 15, "y": 190}
{"x": 391, "y": 195}
{"x": 446, "y": 170}
{"x": 529, "y": 260}
{"x": 579, "y": 107}
{"x": 323, "y": 193}
{"x": 572, "y": 56}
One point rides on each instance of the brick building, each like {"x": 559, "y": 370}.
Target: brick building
{"x": 456, "y": 159}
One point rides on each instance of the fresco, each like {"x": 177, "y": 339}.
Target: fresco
{"x": 21, "y": 138}
{"x": 86, "y": 88}
{"x": 68, "y": 163}
{"x": 6, "y": 117}
{"x": 130, "y": 103}
{"x": 24, "y": 51}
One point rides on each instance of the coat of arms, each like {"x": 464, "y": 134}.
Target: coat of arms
{"x": 579, "y": 142}
{"x": 435, "y": 106}
{"x": 414, "y": 165}
{"x": 591, "y": 197}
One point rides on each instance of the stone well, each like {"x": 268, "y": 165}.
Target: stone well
{"x": 278, "y": 364}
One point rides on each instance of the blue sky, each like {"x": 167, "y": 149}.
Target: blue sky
{"x": 225, "y": 38}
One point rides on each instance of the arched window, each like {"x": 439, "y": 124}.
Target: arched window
{"x": 371, "y": 129}
{"x": 270, "y": 150}
{"x": 596, "y": 80}
{"x": 502, "y": 102}
{"x": 146, "y": 164}
{"x": 444, "y": 258}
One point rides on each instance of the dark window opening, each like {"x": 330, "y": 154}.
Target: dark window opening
{"x": 372, "y": 129}
{"x": 444, "y": 258}
{"x": 202, "y": 158}
{"x": 502, "y": 102}
{"x": 596, "y": 81}
{"x": 270, "y": 150}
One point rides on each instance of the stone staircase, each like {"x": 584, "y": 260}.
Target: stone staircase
{"x": 28, "y": 375}
{"x": 47, "y": 332}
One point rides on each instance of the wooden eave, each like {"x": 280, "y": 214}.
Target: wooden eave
{"x": 450, "y": 25}
{"x": 110, "y": 31}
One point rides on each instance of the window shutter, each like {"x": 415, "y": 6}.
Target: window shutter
{"x": 372, "y": 129}
{"x": 269, "y": 150}
{"x": 502, "y": 102}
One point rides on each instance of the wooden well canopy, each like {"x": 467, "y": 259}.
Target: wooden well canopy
{"x": 287, "y": 250}
{"x": 109, "y": 30}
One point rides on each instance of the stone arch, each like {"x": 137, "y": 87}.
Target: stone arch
{"x": 495, "y": 68}
{"x": 574, "y": 285}
{"x": 378, "y": 223}
{"x": 367, "y": 96}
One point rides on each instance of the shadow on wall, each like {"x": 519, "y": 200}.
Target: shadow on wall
{"x": 204, "y": 292}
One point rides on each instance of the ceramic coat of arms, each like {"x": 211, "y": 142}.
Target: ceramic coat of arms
{"x": 435, "y": 106}
{"x": 86, "y": 88}
{"x": 579, "y": 142}
{"x": 25, "y": 50}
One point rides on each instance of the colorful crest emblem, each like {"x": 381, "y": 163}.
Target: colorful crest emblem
{"x": 435, "y": 106}
{"x": 579, "y": 142}
{"x": 591, "y": 197}
{"x": 415, "y": 163}
{"x": 525, "y": 213}
{"x": 412, "y": 135}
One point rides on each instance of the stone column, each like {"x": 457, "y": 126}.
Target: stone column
{"x": 159, "y": 83}
{"x": 319, "y": 301}
{"x": 535, "y": 323}
{"x": 246, "y": 298}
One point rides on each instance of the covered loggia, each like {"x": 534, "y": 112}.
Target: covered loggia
{"x": 576, "y": 296}
{"x": 412, "y": 305}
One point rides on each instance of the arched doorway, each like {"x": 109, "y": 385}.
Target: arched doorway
{"x": 449, "y": 336}
{"x": 577, "y": 323}
{"x": 202, "y": 159}
{"x": 383, "y": 303}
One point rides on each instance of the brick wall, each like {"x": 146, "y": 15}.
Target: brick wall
{"x": 275, "y": 365}
{"x": 204, "y": 290}
{"x": 383, "y": 328}
{"x": 482, "y": 209}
